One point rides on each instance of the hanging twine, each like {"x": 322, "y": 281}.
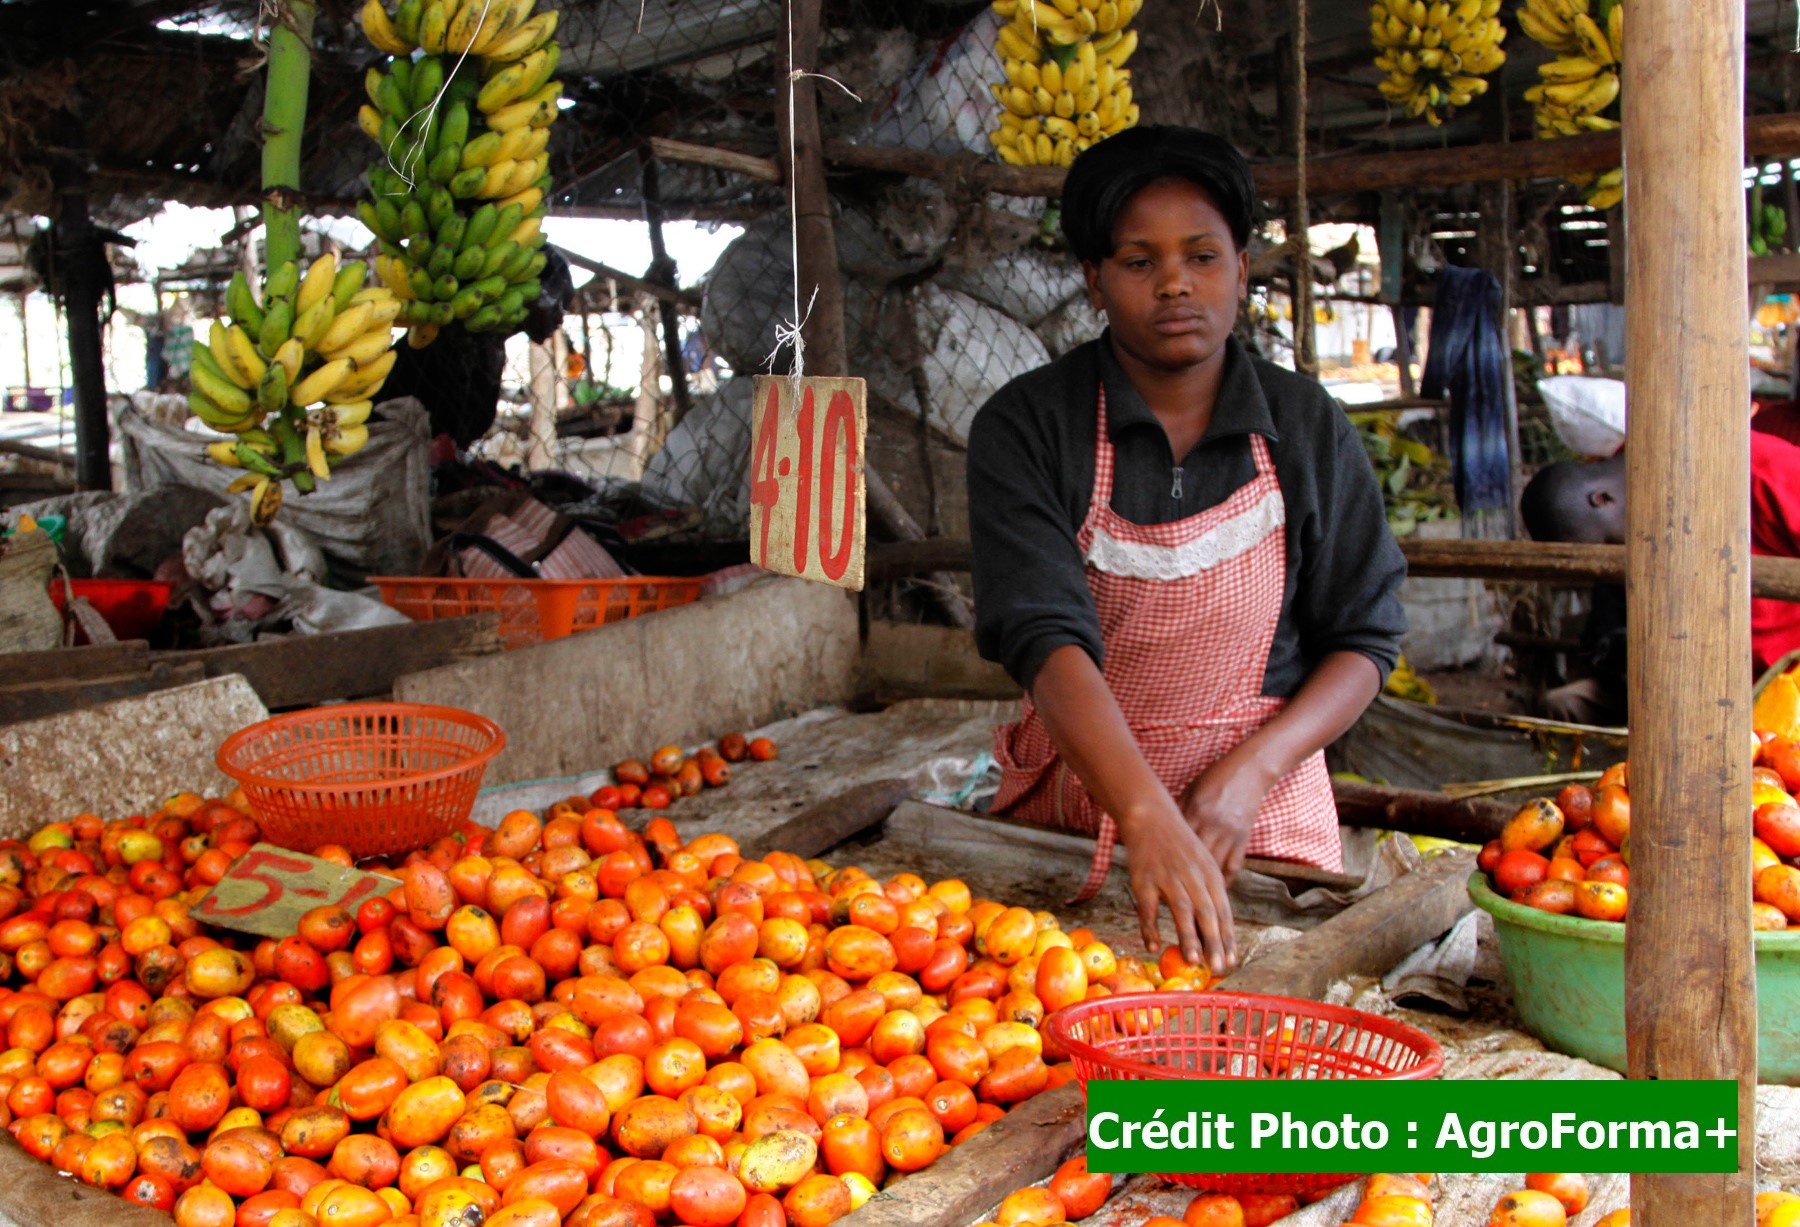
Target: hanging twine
{"x": 1306, "y": 358}
{"x": 791, "y": 332}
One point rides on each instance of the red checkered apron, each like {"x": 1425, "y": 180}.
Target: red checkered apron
{"x": 1187, "y": 614}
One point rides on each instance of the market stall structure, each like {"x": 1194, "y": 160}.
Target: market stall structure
{"x": 694, "y": 111}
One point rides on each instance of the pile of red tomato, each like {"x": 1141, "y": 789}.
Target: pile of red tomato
{"x": 559, "y": 1021}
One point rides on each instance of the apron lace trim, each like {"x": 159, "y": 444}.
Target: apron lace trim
{"x": 1147, "y": 560}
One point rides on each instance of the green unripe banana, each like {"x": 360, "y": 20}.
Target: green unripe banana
{"x": 272, "y": 389}
{"x": 400, "y": 68}
{"x": 483, "y": 320}
{"x": 497, "y": 258}
{"x": 516, "y": 265}
{"x": 278, "y": 324}
{"x": 506, "y": 223}
{"x": 283, "y": 282}
{"x": 256, "y": 462}
{"x": 350, "y": 281}
{"x": 452, "y": 232}
{"x": 427, "y": 81}
{"x": 412, "y": 219}
{"x": 443, "y": 166}
{"x": 406, "y": 20}
{"x": 444, "y": 288}
{"x": 466, "y": 303}
{"x": 442, "y": 261}
{"x": 242, "y": 303}
{"x": 468, "y": 263}
{"x": 456, "y": 128}
{"x": 481, "y": 225}
{"x": 464, "y": 184}
{"x": 390, "y": 100}
{"x": 369, "y": 213}
{"x": 420, "y": 281}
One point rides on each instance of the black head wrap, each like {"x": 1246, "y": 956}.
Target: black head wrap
{"x": 1105, "y": 178}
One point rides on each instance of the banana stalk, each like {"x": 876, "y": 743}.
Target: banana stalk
{"x": 284, "y": 121}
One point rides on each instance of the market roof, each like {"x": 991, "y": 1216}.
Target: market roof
{"x": 162, "y": 98}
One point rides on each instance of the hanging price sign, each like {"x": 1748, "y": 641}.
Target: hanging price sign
{"x": 806, "y": 478}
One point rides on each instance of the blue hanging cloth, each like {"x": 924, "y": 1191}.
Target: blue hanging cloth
{"x": 1468, "y": 364}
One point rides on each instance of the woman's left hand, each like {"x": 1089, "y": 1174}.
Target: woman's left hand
{"x": 1222, "y": 804}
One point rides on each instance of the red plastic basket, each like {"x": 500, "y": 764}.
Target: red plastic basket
{"x": 132, "y": 607}
{"x": 1146, "y": 1036}
{"x": 378, "y": 778}
{"x": 533, "y": 610}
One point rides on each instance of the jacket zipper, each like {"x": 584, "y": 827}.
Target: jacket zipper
{"x": 1175, "y": 492}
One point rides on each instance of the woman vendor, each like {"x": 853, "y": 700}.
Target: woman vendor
{"x": 1181, "y": 554}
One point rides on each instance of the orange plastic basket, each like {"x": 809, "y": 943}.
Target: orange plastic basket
{"x": 533, "y": 610}
{"x": 1146, "y": 1036}
{"x": 378, "y": 778}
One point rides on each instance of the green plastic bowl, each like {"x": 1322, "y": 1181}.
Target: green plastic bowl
{"x": 1567, "y": 977}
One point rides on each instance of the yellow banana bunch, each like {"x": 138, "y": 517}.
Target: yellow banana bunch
{"x": 1066, "y": 85}
{"x": 308, "y": 337}
{"x": 1579, "y": 90}
{"x": 1436, "y": 56}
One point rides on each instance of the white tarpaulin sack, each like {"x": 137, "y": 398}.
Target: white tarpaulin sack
{"x": 1587, "y": 414}
{"x": 372, "y": 518}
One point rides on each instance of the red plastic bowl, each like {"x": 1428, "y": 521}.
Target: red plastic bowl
{"x": 1147, "y": 1036}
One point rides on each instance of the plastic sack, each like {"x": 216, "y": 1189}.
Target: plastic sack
{"x": 946, "y": 104}
{"x": 1588, "y": 414}
{"x": 372, "y": 518}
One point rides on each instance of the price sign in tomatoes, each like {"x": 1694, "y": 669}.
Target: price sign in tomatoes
{"x": 268, "y": 889}
{"x": 806, "y": 478}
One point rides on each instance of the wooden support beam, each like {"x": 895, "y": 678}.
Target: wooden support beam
{"x": 824, "y": 826}
{"x": 1368, "y": 938}
{"x": 1690, "y": 969}
{"x": 1764, "y": 135}
{"x": 302, "y": 670}
{"x": 82, "y": 256}
{"x": 633, "y": 285}
{"x": 43, "y": 454}
{"x": 765, "y": 170}
{"x": 662, "y": 272}
{"x": 1471, "y": 821}
{"x": 1512, "y": 561}
{"x": 35, "y": 700}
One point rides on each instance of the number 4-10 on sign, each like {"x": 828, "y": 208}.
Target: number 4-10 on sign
{"x": 806, "y": 478}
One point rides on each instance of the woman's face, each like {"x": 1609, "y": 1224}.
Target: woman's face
{"x": 1172, "y": 285}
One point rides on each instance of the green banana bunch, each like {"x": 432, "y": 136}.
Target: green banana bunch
{"x": 457, "y": 197}
{"x": 1579, "y": 90}
{"x": 323, "y": 337}
{"x": 1436, "y": 55}
{"x": 1066, "y": 84}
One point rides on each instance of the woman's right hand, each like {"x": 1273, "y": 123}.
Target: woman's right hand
{"x": 1169, "y": 865}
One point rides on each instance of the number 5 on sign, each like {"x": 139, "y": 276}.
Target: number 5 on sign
{"x": 806, "y": 478}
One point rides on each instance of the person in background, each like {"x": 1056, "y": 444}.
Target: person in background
{"x": 1580, "y": 501}
{"x": 1180, "y": 552}
{"x": 457, "y": 376}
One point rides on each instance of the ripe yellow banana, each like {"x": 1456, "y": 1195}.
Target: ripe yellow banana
{"x": 378, "y": 27}
{"x": 321, "y": 383}
{"x": 522, "y": 40}
{"x": 362, "y": 384}
{"x": 315, "y": 454}
{"x": 289, "y": 356}
{"x": 367, "y": 347}
{"x": 321, "y": 275}
{"x": 244, "y": 356}
{"x": 346, "y": 327}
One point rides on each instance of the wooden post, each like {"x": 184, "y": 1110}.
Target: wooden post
{"x": 662, "y": 272}
{"x": 540, "y": 450}
{"x": 803, "y": 164}
{"x": 1501, "y": 258}
{"x": 1690, "y": 983}
{"x": 1290, "y": 97}
{"x": 82, "y": 257}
